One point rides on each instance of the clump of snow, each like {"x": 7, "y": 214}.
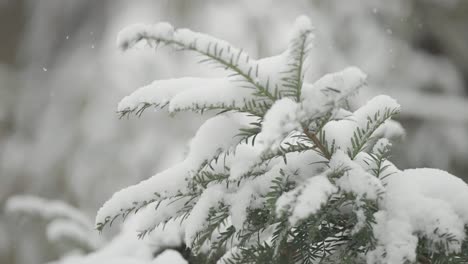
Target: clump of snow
{"x": 169, "y": 256}
{"x": 158, "y": 212}
{"x": 428, "y": 202}
{"x": 300, "y": 38}
{"x": 217, "y": 94}
{"x": 169, "y": 235}
{"x": 332, "y": 88}
{"x": 213, "y": 137}
{"x": 381, "y": 144}
{"x": 186, "y": 93}
{"x": 391, "y": 129}
{"x": 60, "y": 230}
{"x": 361, "y": 218}
{"x": 305, "y": 200}
{"x": 299, "y": 168}
{"x": 301, "y": 25}
{"x": 197, "y": 219}
{"x": 378, "y": 104}
{"x": 280, "y": 120}
{"x": 246, "y": 156}
{"x": 248, "y": 195}
{"x": 340, "y": 132}
{"x": 160, "y": 92}
{"x": 355, "y": 179}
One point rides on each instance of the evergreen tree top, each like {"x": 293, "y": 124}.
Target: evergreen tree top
{"x": 287, "y": 171}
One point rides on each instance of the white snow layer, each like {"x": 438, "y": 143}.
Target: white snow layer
{"x": 158, "y": 212}
{"x": 169, "y": 256}
{"x": 355, "y": 179}
{"x": 306, "y": 199}
{"x": 428, "y": 202}
{"x": 214, "y": 136}
{"x": 341, "y": 131}
{"x": 185, "y": 93}
{"x": 197, "y": 219}
{"x": 279, "y": 121}
{"x": 332, "y": 88}
{"x": 184, "y": 38}
{"x": 46, "y": 209}
{"x": 60, "y": 230}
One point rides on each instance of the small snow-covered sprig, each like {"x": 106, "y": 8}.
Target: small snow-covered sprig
{"x": 65, "y": 223}
{"x": 48, "y": 210}
{"x": 299, "y": 47}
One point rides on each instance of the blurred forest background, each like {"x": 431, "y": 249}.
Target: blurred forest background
{"x": 61, "y": 77}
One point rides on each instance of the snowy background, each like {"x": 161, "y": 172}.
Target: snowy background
{"x": 61, "y": 77}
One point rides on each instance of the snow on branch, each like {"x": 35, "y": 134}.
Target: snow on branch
{"x": 419, "y": 204}
{"x": 216, "y": 51}
{"x": 216, "y": 135}
{"x": 194, "y": 94}
{"x": 306, "y": 199}
{"x": 332, "y": 89}
{"x": 299, "y": 46}
{"x": 64, "y": 222}
{"x": 46, "y": 209}
{"x": 251, "y": 86}
{"x": 61, "y": 230}
{"x": 354, "y": 132}
{"x": 287, "y": 172}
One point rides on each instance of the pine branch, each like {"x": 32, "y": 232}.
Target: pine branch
{"x": 323, "y": 149}
{"x": 124, "y": 213}
{"x": 215, "y": 54}
{"x": 216, "y": 218}
{"x": 320, "y": 216}
{"x": 281, "y": 152}
{"x": 250, "y": 107}
{"x": 261, "y": 90}
{"x": 137, "y": 205}
{"x": 378, "y": 158}
{"x": 361, "y": 136}
{"x": 295, "y": 74}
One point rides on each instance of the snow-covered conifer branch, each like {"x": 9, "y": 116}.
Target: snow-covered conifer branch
{"x": 192, "y": 94}
{"x": 48, "y": 210}
{"x": 299, "y": 46}
{"x": 64, "y": 222}
{"x": 214, "y": 137}
{"x": 237, "y": 61}
{"x": 60, "y": 231}
{"x": 287, "y": 172}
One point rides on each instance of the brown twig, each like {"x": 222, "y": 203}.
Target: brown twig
{"x": 312, "y": 136}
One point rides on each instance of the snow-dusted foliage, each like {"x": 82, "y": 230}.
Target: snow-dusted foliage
{"x": 73, "y": 231}
{"x": 286, "y": 172}
{"x": 64, "y": 223}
